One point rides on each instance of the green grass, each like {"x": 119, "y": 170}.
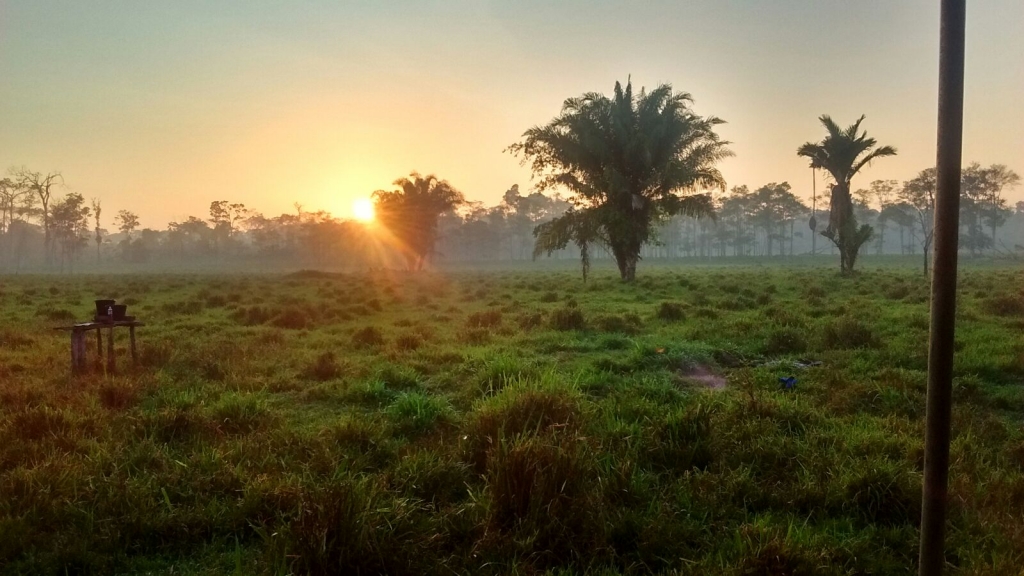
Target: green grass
{"x": 506, "y": 422}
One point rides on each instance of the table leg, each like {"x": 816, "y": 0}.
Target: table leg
{"x": 131, "y": 335}
{"x": 77, "y": 352}
{"x": 99, "y": 350}
{"x": 111, "y": 363}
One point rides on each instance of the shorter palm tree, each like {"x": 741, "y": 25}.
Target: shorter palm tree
{"x": 411, "y": 212}
{"x": 843, "y": 153}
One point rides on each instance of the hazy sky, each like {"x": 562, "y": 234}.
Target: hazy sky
{"x": 161, "y": 107}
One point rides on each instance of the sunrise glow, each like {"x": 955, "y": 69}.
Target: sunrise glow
{"x": 362, "y": 210}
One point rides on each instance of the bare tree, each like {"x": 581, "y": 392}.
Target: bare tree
{"x": 96, "y": 209}
{"x": 42, "y": 186}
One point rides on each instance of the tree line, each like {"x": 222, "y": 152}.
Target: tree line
{"x": 641, "y": 179}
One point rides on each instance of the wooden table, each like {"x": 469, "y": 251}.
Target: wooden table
{"x": 78, "y": 333}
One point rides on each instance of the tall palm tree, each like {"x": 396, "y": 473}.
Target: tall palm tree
{"x": 411, "y": 213}
{"x": 843, "y": 153}
{"x": 625, "y": 160}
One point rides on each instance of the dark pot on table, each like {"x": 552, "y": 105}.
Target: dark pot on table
{"x": 119, "y": 311}
{"x": 102, "y": 306}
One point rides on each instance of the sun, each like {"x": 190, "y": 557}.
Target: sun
{"x": 362, "y": 209}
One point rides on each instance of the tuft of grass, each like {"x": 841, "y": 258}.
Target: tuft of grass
{"x": 621, "y": 324}
{"x": 324, "y": 367}
{"x": 241, "y": 414}
{"x": 568, "y": 318}
{"x": 292, "y": 318}
{"x": 408, "y": 342}
{"x": 671, "y": 312}
{"x": 1006, "y": 305}
{"x": 785, "y": 340}
{"x": 848, "y": 332}
{"x": 415, "y": 412}
{"x": 367, "y": 337}
{"x": 486, "y": 319}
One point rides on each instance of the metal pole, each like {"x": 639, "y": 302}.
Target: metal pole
{"x": 943, "y": 306}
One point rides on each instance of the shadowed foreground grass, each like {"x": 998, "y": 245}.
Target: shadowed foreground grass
{"x": 506, "y": 423}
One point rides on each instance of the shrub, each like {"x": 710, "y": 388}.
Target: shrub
{"x": 848, "y": 332}
{"x": 671, "y": 312}
{"x": 367, "y": 337}
{"x": 568, "y": 318}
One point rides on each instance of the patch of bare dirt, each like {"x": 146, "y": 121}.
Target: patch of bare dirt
{"x": 704, "y": 376}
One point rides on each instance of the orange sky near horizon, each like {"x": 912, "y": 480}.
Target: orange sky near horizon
{"x": 161, "y": 109}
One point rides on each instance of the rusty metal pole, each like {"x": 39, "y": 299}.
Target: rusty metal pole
{"x": 931, "y": 556}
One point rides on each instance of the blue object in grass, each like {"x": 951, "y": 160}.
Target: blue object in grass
{"x": 788, "y": 382}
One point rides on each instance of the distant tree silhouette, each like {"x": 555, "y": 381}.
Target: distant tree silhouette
{"x": 843, "y": 152}
{"x": 411, "y": 213}
{"x": 69, "y": 221}
{"x": 919, "y": 194}
{"x": 625, "y": 160}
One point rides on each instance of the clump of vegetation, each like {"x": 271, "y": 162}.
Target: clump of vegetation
{"x": 242, "y": 414}
{"x": 529, "y": 321}
{"x": 408, "y": 342}
{"x": 621, "y": 324}
{"x": 785, "y": 340}
{"x": 1007, "y": 305}
{"x": 292, "y": 318}
{"x": 486, "y": 319}
{"x": 324, "y": 367}
{"x": 367, "y": 337}
{"x": 568, "y": 318}
{"x": 415, "y": 412}
{"x": 849, "y": 332}
{"x": 251, "y": 315}
{"x": 671, "y": 312}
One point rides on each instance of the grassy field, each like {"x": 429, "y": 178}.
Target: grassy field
{"x": 496, "y": 423}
